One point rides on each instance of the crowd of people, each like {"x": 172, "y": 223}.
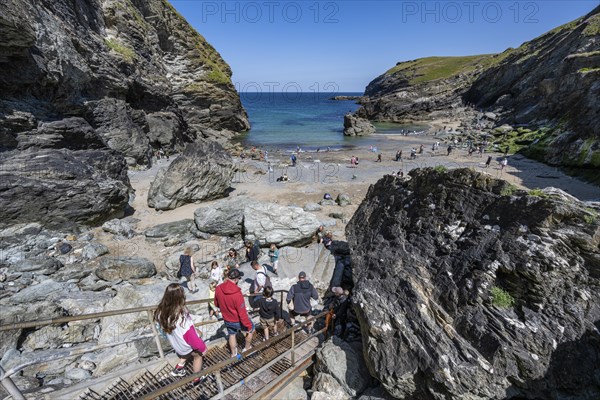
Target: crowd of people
{"x": 228, "y": 303}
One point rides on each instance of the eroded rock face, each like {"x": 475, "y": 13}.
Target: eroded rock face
{"x": 202, "y": 172}
{"x": 136, "y": 71}
{"x": 62, "y": 188}
{"x": 427, "y": 253}
{"x": 80, "y": 79}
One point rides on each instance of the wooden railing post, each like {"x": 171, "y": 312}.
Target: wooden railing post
{"x": 155, "y": 333}
{"x": 293, "y": 353}
{"x": 219, "y": 383}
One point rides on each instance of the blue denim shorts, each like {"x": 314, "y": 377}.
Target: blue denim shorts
{"x": 235, "y": 327}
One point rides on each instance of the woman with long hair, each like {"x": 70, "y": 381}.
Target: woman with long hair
{"x": 175, "y": 321}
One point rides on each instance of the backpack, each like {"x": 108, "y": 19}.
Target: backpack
{"x": 267, "y": 280}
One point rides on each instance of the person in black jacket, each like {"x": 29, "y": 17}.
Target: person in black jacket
{"x": 268, "y": 309}
{"x": 252, "y": 251}
{"x": 301, "y": 293}
{"x": 340, "y": 309}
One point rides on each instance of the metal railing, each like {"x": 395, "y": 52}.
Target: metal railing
{"x": 5, "y": 376}
{"x": 216, "y": 369}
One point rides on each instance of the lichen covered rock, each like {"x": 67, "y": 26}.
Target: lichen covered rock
{"x": 466, "y": 288}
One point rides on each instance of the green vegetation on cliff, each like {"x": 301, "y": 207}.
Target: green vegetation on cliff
{"x": 127, "y": 53}
{"x": 217, "y": 70}
{"x": 434, "y": 68}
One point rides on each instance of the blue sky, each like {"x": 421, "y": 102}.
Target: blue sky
{"x": 327, "y": 45}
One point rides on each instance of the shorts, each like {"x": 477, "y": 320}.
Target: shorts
{"x": 269, "y": 323}
{"x": 293, "y": 313}
{"x": 235, "y": 327}
{"x": 190, "y": 355}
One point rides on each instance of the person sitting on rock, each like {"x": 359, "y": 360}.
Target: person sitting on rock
{"x": 231, "y": 260}
{"x": 216, "y": 272}
{"x": 282, "y": 178}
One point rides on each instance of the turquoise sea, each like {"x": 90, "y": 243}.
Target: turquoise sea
{"x": 308, "y": 120}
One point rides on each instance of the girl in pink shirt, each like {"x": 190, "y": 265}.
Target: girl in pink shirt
{"x": 175, "y": 321}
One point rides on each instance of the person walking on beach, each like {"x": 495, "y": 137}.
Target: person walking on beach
{"x": 379, "y": 157}
{"x": 449, "y": 150}
{"x": 175, "y": 321}
{"x": 294, "y": 159}
{"x": 413, "y": 153}
{"x": 488, "y": 161}
{"x": 503, "y": 163}
{"x": 299, "y": 296}
{"x": 229, "y": 299}
{"x": 187, "y": 269}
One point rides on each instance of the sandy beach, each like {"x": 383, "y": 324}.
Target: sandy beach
{"x": 329, "y": 172}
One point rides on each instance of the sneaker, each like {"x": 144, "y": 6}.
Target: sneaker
{"x": 198, "y": 381}
{"x": 178, "y": 371}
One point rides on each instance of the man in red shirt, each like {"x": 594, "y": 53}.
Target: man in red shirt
{"x": 229, "y": 298}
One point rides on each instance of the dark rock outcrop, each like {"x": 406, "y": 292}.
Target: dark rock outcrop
{"x": 135, "y": 70}
{"x": 421, "y": 89}
{"x": 552, "y": 80}
{"x": 62, "y": 188}
{"x": 82, "y": 78}
{"x": 468, "y": 289}
{"x": 355, "y": 126}
{"x": 202, "y": 172}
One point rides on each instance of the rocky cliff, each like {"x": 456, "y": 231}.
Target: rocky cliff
{"x": 552, "y": 81}
{"x": 551, "y": 84}
{"x": 421, "y": 89}
{"x": 468, "y": 289}
{"x": 100, "y": 84}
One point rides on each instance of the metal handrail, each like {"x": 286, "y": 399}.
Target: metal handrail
{"x": 215, "y": 369}
{"x": 83, "y": 317}
{"x": 5, "y": 376}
